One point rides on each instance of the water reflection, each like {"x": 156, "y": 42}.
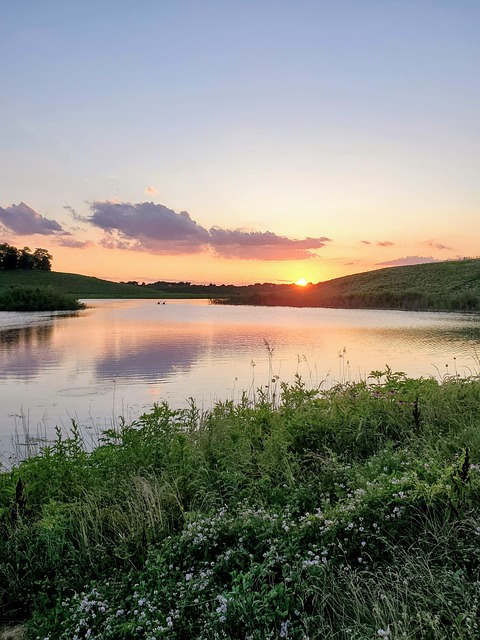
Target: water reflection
{"x": 26, "y": 351}
{"x": 150, "y": 357}
{"x": 20, "y": 336}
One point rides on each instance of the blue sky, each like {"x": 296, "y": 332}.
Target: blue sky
{"x": 356, "y": 121}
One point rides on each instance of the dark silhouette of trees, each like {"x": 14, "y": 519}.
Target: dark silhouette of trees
{"x": 12, "y": 258}
{"x": 42, "y": 260}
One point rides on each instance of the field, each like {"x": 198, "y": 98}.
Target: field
{"x": 352, "y": 513}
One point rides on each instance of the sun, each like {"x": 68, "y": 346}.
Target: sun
{"x": 301, "y": 282}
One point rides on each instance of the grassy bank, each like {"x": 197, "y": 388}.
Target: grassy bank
{"x": 352, "y": 513}
{"x": 439, "y": 286}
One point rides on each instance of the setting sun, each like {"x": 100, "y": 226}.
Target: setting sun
{"x": 301, "y": 282}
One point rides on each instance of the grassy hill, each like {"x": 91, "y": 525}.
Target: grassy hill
{"x": 437, "y": 278}
{"x": 452, "y": 285}
{"x": 75, "y": 285}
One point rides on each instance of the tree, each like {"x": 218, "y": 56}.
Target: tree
{"x": 12, "y": 258}
{"x": 8, "y": 257}
{"x": 25, "y": 259}
{"x": 42, "y": 260}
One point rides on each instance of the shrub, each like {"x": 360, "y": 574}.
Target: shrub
{"x": 29, "y": 298}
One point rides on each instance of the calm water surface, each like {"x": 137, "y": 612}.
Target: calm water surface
{"x": 118, "y": 357}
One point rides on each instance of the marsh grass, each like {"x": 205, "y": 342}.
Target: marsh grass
{"x": 351, "y": 512}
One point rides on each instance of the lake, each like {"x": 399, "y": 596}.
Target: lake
{"x": 118, "y": 357}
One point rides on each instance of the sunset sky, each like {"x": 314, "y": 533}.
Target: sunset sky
{"x": 240, "y": 141}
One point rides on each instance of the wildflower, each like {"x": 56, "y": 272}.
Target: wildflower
{"x": 384, "y": 633}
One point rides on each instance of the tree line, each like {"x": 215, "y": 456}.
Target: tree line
{"x": 12, "y": 258}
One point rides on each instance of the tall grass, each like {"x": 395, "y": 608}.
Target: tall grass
{"x": 348, "y": 513}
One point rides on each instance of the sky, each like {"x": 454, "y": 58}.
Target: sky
{"x": 240, "y": 141}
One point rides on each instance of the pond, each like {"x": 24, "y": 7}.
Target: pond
{"x": 118, "y": 357}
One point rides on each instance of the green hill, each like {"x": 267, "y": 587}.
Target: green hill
{"x": 75, "y": 285}
{"x": 452, "y": 285}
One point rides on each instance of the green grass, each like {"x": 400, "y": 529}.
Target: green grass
{"x": 349, "y": 513}
{"x": 437, "y": 278}
{"x": 452, "y": 285}
{"x": 77, "y": 285}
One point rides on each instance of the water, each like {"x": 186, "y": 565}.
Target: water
{"x": 118, "y": 357}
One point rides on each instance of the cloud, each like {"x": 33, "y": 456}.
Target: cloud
{"x": 74, "y": 244}
{"x": 436, "y": 245}
{"x": 148, "y": 227}
{"x": 256, "y": 245}
{"x": 408, "y": 260}
{"x": 76, "y": 216}
{"x": 383, "y": 243}
{"x": 155, "y": 228}
{"x": 24, "y": 221}
{"x": 151, "y": 191}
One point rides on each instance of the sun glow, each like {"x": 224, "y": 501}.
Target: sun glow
{"x": 301, "y": 282}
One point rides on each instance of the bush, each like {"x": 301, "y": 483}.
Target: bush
{"x": 29, "y": 298}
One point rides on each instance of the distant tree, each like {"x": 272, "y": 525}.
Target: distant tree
{"x": 12, "y": 258}
{"x": 25, "y": 259}
{"x": 42, "y": 260}
{"x": 8, "y": 257}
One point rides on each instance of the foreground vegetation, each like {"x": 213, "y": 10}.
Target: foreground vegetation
{"x": 439, "y": 286}
{"x": 349, "y": 513}
{"x": 37, "y": 299}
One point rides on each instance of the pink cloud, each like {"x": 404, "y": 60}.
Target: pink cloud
{"x": 157, "y": 229}
{"x": 385, "y": 243}
{"x": 24, "y": 221}
{"x": 75, "y": 244}
{"x": 408, "y": 260}
{"x": 436, "y": 245}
